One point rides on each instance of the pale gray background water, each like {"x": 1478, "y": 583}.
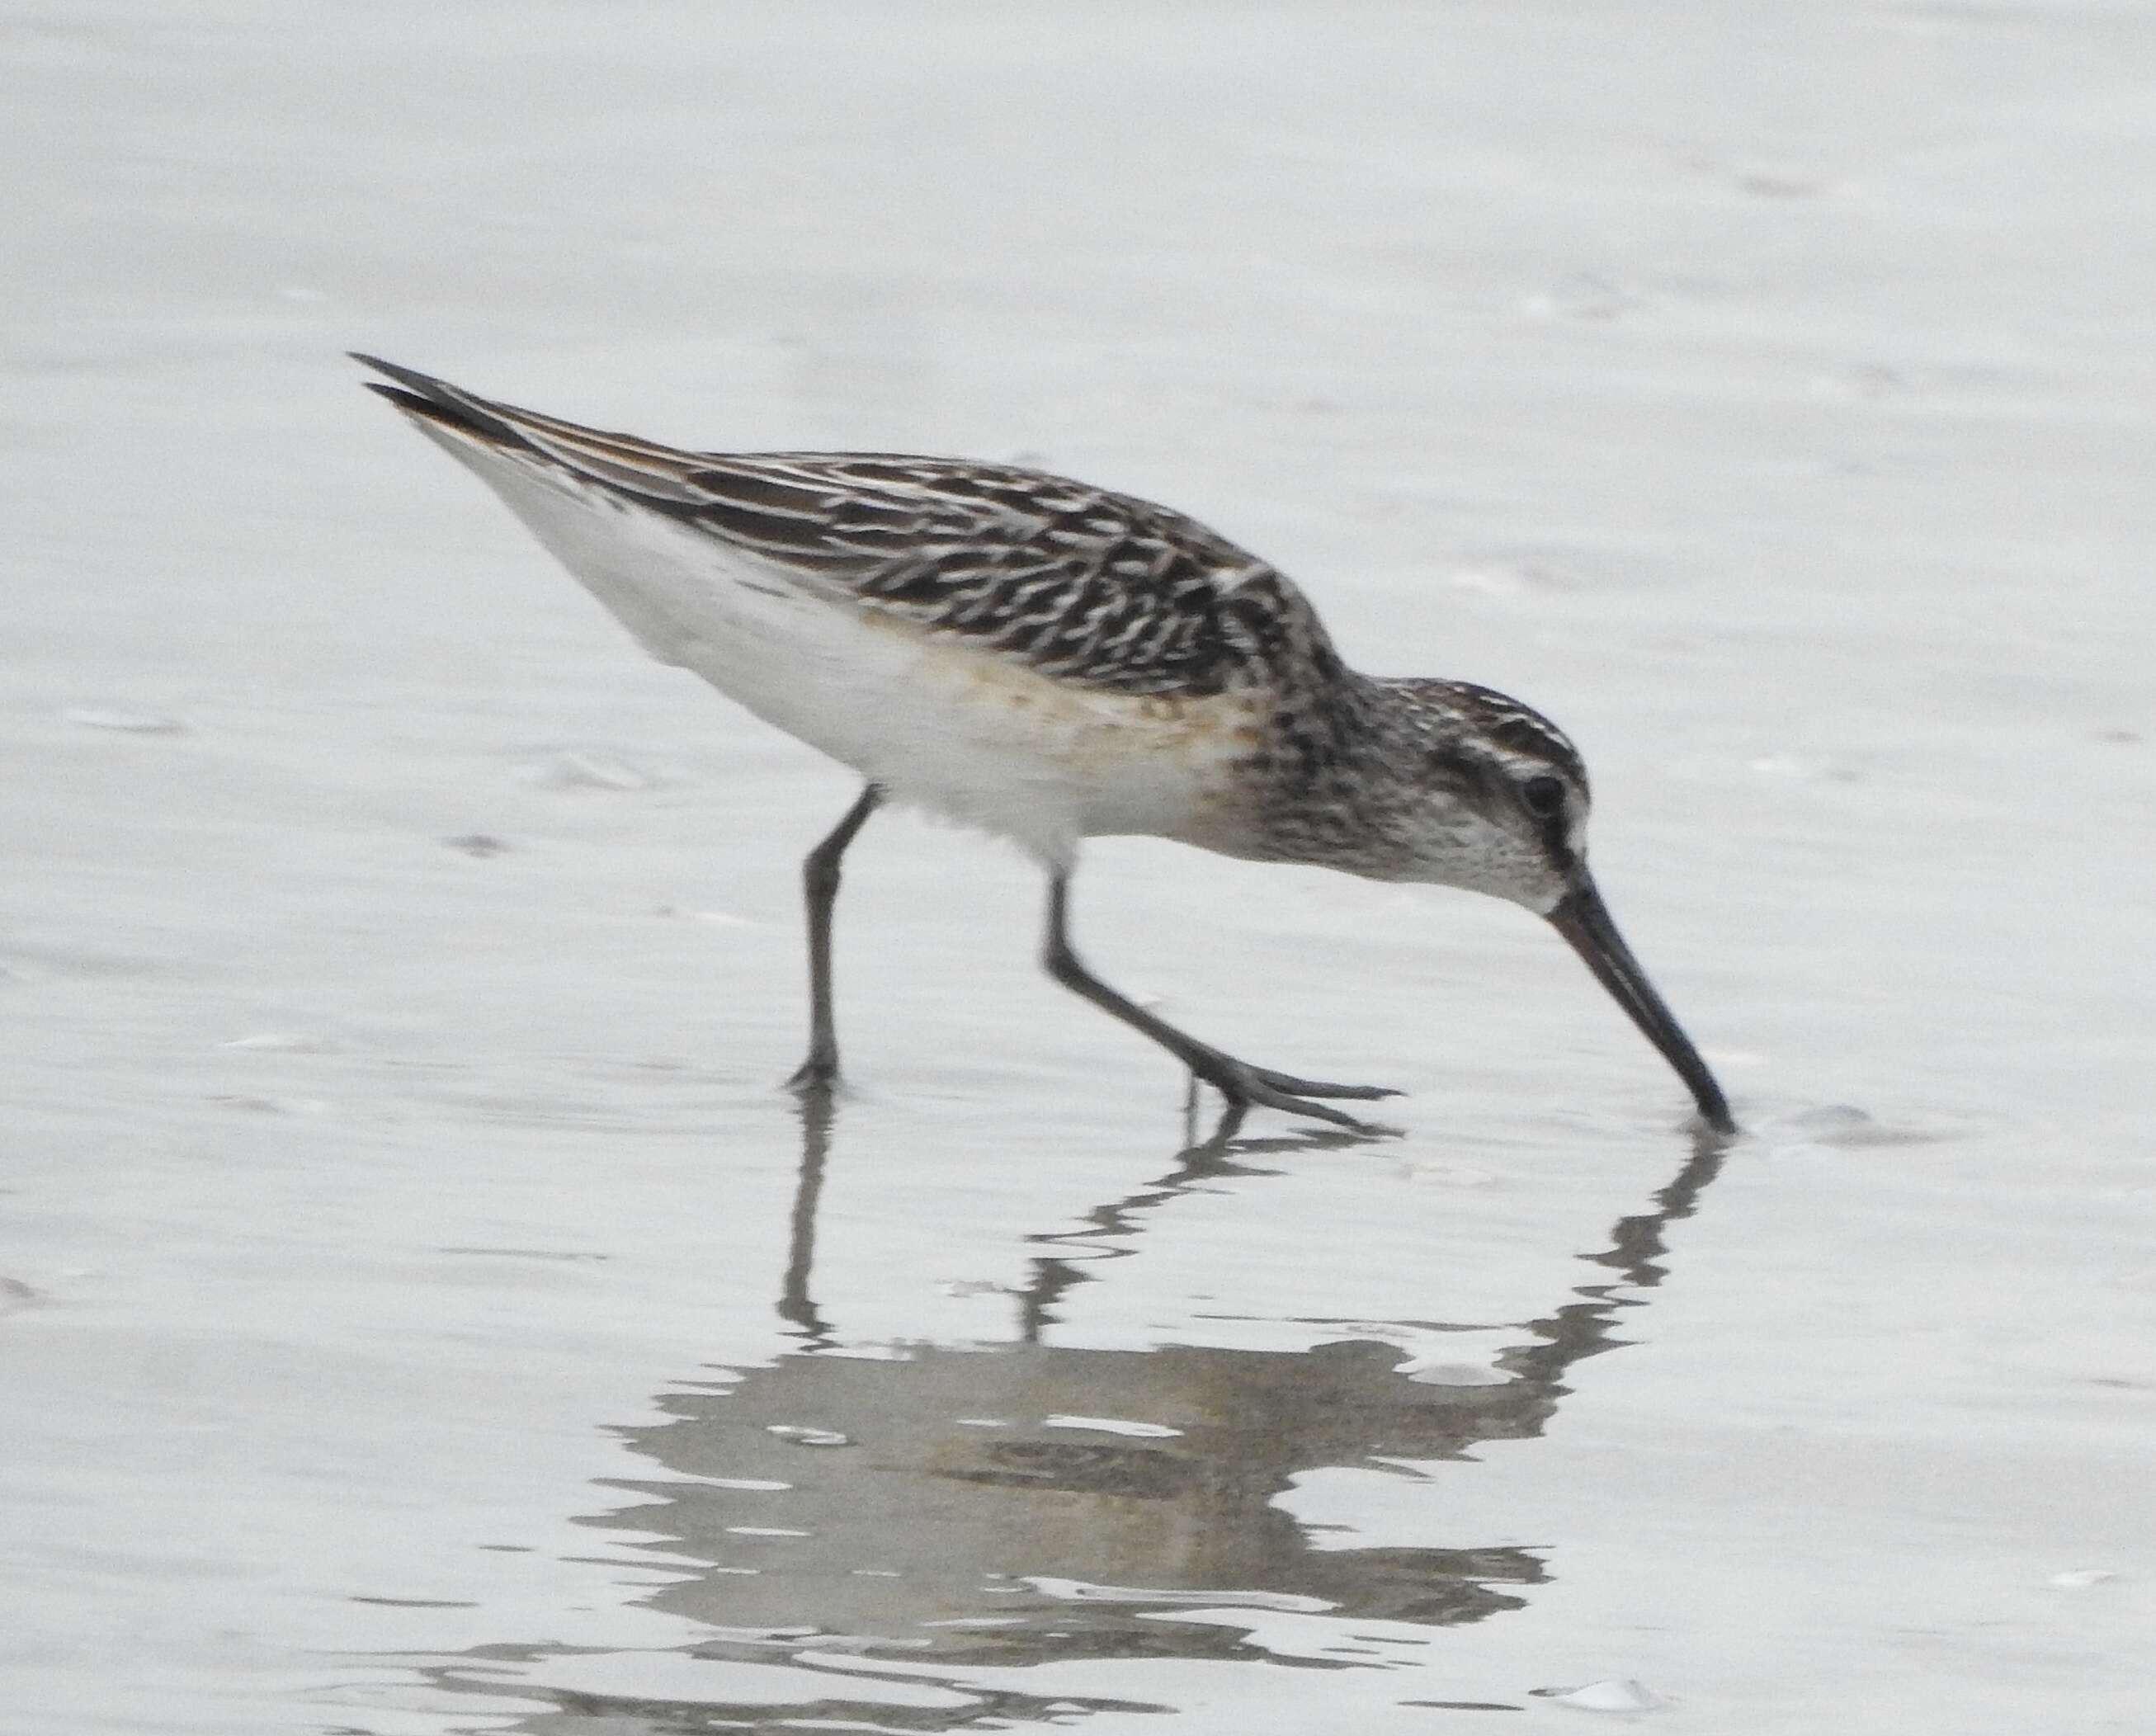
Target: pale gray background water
{"x": 404, "y": 1250}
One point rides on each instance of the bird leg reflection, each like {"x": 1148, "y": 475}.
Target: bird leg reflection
{"x": 796, "y": 1306}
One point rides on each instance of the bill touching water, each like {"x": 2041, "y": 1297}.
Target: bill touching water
{"x": 422, "y": 1314}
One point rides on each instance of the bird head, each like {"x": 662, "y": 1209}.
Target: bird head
{"x": 1505, "y": 813}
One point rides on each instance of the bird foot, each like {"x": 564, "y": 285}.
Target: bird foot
{"x": 1320, "y": 1088}
{"x": 1247, "y": 1087}
{"x": 816, "y": 1076}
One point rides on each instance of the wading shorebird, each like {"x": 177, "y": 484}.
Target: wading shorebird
{"x": 1050, "y": 662}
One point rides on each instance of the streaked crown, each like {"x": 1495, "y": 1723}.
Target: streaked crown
{"x": 1507, "y": 789}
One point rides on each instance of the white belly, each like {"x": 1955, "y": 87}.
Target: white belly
{"x": 961, "y": 732}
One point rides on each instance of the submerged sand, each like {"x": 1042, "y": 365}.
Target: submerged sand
{"x": 419, "y": 1312}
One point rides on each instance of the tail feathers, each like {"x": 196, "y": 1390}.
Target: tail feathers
{"x": 437, "y": 401}
{"x": 616, "y": 460}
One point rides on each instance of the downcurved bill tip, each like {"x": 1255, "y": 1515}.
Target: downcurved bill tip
{"x": 1583, "y": 920}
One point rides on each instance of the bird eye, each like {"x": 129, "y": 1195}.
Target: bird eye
{"x": 1543, "y": 797}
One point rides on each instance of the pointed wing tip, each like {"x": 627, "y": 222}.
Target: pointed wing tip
{"x": 436, "y": 403}
{"x": 425, "y": 385}
{"x": 409, "y": 402}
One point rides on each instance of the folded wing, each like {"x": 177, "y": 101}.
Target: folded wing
{"x": 1085, "y": 586}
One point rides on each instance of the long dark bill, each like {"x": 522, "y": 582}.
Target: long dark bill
{"x": 1583, "y": 920}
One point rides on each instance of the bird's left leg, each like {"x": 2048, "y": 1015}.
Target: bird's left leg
{"x": 820, "y": 885}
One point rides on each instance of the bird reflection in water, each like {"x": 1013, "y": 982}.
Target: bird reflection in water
{"x": 969, "y": 1518}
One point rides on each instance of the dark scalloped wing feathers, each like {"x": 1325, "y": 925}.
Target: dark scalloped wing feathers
{"x": 1081, "y": 584}
{"x": 1097, "y": 588}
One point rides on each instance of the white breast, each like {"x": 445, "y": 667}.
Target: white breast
{"x": 939, "y": 723}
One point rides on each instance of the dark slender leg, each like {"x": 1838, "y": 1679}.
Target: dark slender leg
{"x": 820, "y": 882}
{"x": 1241, "y": 1084}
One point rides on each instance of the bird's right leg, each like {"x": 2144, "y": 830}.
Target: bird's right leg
{"x": 820, "y": 885}
{"x": 1240, "y": 1083}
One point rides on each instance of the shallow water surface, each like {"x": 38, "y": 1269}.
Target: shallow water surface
{"x": 422, "y": 1312}
{"x": 928, "y": 1534}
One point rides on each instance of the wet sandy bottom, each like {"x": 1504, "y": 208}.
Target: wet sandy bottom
{"x": 421, "y": 1312}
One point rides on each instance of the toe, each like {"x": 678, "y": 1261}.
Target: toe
{"x": 1252, "y": 1087}
{"x": 815, "y": 1074}
{"x": 1320, "y": 1088}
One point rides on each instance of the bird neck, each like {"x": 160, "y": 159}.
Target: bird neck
{"x": 1334, "y": 781}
